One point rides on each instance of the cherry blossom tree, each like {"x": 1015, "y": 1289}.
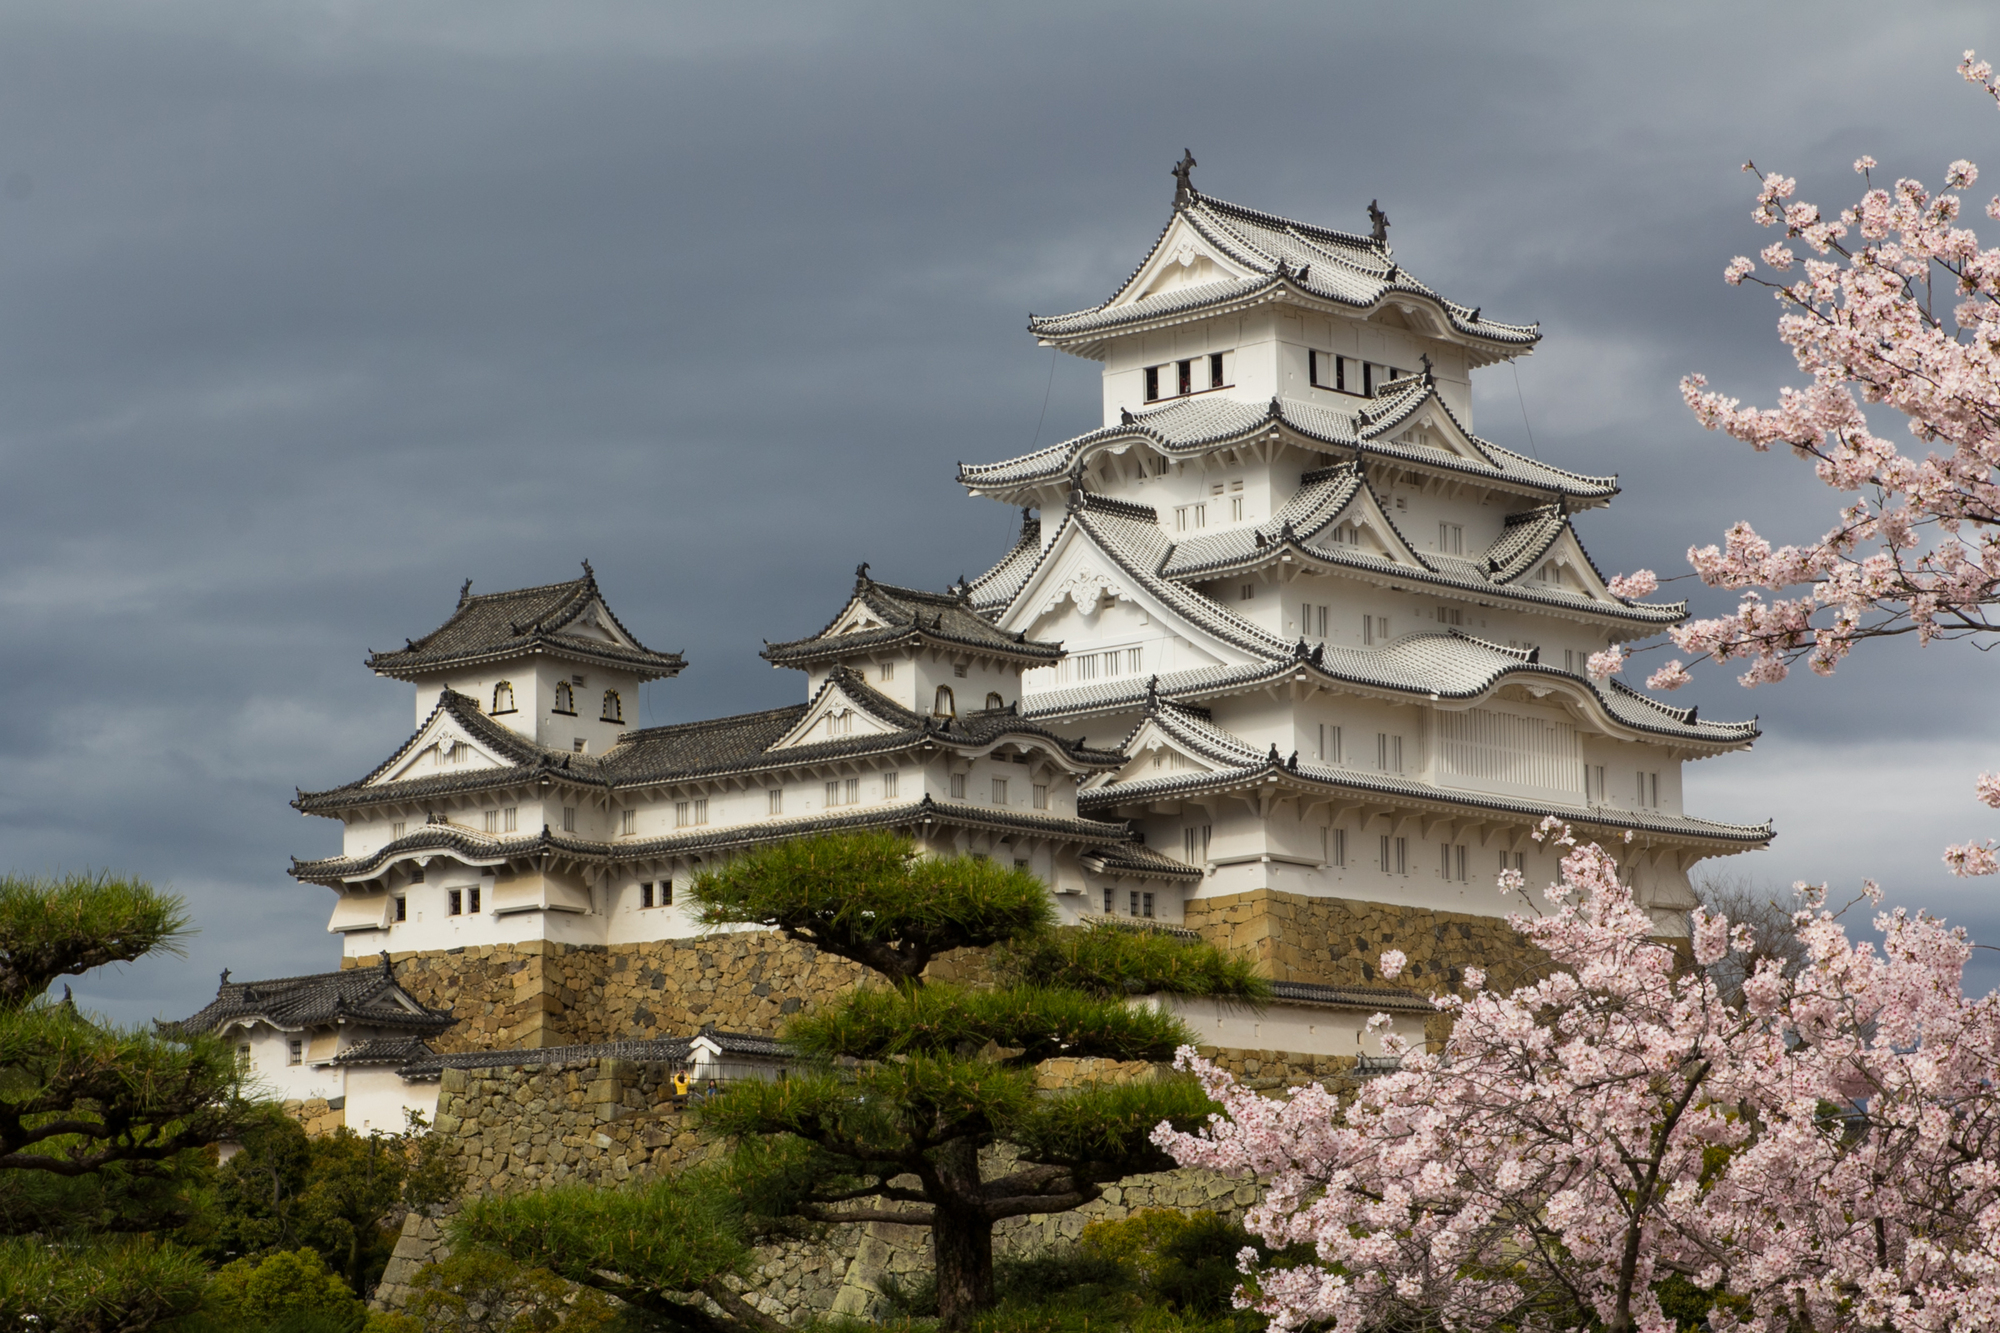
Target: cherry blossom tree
{"x": 1894, "y": 306}
{"x": 1618, "y": 1144}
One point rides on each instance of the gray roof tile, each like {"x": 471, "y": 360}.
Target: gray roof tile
{"x": 365, "y": 996}
{"x": 911, "y": 619}
{"x": 1339, "y": 267}
{"x": 496, "y": 626}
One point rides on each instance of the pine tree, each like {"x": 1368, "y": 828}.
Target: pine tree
{"x": 915, "y": 1100}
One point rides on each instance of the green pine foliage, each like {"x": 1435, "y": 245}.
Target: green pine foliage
{"x": 914, "y": 1103}
{"x": 89, "y": 1285}
{"x": 78, "y": 1096}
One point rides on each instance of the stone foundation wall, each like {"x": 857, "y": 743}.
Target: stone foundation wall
{"x": 541, "y": 993}
{"x": 1337, "y": 941}
{"x": 605, "y": 1122}
{"x": 317, "y": 1114}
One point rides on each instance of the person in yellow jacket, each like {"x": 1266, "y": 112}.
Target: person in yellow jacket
{"x": 680, "y": 1085}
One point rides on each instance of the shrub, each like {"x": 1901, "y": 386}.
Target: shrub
{"x": 290, "y": 1287}
{"x": 480, "y": 1290}
{"x": 86, "y": 1286}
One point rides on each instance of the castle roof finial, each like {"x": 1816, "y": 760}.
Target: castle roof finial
{"x": 464, "y": 591}
{"x": 1184, "y": 191}
{"x": 1379, "y": 222}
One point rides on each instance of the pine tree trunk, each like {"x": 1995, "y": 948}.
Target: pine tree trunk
{"x": 961, "y": 1239}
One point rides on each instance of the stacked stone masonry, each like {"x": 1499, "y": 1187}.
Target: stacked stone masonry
{"x": 606, "y": 1122}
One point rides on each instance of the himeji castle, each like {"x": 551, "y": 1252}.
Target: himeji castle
{"x": 1284, "y": 650}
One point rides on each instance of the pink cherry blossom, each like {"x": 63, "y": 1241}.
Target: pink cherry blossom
{"x": 1639, "y": 583}
{"x": 1822, "y": 1154}
{"x": 1393, "y": 961}
{"x": 1604, "y": 665}
{"x": 1897, "y": 307}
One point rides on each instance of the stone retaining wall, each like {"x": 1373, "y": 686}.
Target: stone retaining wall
{"x": 605, "y": 1122}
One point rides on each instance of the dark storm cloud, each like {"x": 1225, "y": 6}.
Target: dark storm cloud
{"x": 312, "y": 311}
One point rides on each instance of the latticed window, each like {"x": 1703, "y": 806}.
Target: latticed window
{"x": 503, "y": 697}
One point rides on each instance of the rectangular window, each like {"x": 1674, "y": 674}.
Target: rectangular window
{"x": 510, "y": 819}
{"x": 999, "y": 791}
{"x": 492, "y": 821}
{"x": 958, "y": 786}
{"x": 1132, "y": 902}
{"x": 569, "y": 819}
{"x": 1249, "y": 592}
{"x": 1453, "y": 864}
{"x": 958, "y": 669}
{"x": 628, "y": 822}
{"x": 1184, "y": 376}
{"x": 472, "y": 900}
{"x": 1513, "y": 861}
{"x": 1367, "y": 379}
{"x": 1194, "y": 844}
{"x": 1333, "y": 846}
{"x": 832, "y": 794}
{"x": 295, "y": 1051}
{"x": 579, "y": 745}
{"x": 1201, "y": 516}
{"x": 417, "y": 875}
{"x": 1152, "y": 384}
{"x": 1342, "y": 376}
{"x": 1402, "y": 856}
{"x": 454, "y": 903}
{"x": 1146, "y": 905}
{"x": 666, "y": 893}
{"x": 646, "y": 894}
{"x": 1041, "y": 792}
{"x": 1107, "y": 912}
{"x": 1020, "y": 864}
{"x": 1388, "y": 752}
{"x": 243, "y": 1051}
{"x": 1374, "y": 628}
{"x": 888, "y": 671}
{"x": 890, "y": 782}
{"x": 1134, "y": 660}
{"x": 681, "y": 814}
{"x": 1319, "y": 369}
{"x": 1218, "y": 371}
{"x": 701, "y": 810}
{"x": 1451, "y": 615}
{"x": 1451, "y": 539}
{"x": 1329, "y": 745}
{"x": 1387, "y": 862}
{"x": 1236, "y": 508}
{"x": 402, "y": 908}
{"x": 396, "y": 829}
{"x": 1180, "y": 518}
{"x": 851, "y": 790}
{"x": 1593, "y": 783}
{"x": 775, "y": 799}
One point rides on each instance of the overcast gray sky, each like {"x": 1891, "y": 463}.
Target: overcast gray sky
{"x": 310, "y": 311}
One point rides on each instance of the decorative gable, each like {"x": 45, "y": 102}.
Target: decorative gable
{"x": 834, "y": 716}
{"x": 441, "y": 748}
{"x": 1363, "y": 527}
{"x": 1183, "y": 258}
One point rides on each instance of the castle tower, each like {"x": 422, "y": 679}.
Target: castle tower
{"x": 1341, "y": 637}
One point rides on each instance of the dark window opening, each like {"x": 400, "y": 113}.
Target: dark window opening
{"x": 1186, "y": 375}
{"x": 1367, "y": 379}
{"x": 1152, "y": 384}
{"x": 944, "y": 705}
{"x": 454, "y": 903}
{"x": 402, "y": 909}
{"x": 472, "y": 899}
{"x": 1215, "y": 370}
{"x": 646, "y": 894}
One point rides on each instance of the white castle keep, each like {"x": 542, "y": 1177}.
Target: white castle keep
{"x": 1285, "y": 625}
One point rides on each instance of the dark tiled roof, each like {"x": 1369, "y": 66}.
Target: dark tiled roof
{"x": 1239, "y": 763}
{"x": 686, "y": 752}
{"x": 1190, "y": 427}
{"x": 1318, "y": 263}
{"x": 526, "y": 762}
{"x": 386, "y": 1051}
{"x": 657, "y": 1050}
{"x": 1351, "y": 997}
{"x": 909, "y": 619}
{"x": 477, "y": 849}
{"x": 366, "y": 996}
{"x": 1136, "y": 861}
{"x": 499, "y": 625}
